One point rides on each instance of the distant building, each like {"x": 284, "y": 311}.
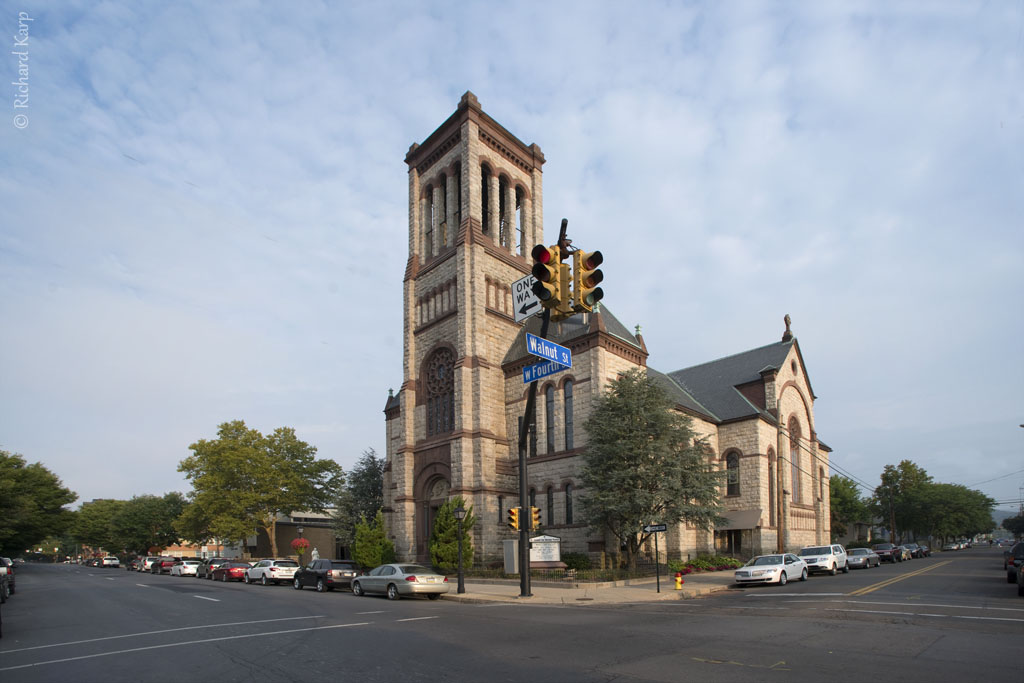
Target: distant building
{"x": 475, "y": 211}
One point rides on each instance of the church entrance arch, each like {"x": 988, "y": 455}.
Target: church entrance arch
{"x": 433, "y": 486}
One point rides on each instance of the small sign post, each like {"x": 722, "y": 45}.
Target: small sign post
{"x": 525, "y": 302}
{"x": 656, "y": 529}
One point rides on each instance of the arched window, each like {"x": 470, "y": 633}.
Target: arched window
{"x": 485, "y": 202}
{"x": 533, "y": 498}
{"x": 428, "y": 224}
{"x": 442, "y": 213}
{"x": 568, "y": 503}
{"x": 501, "y": 509}
{"x": 567, "y": 393}
{"x": 440, "y": 380}
{"x": 503, "y": 226}
{"x": 772, "y": 474}
{"x": 520, "y": 222}
{"x": 794, "y": 458}
{"x": 821, "y": 483}
{"x": 458, "y": 197}
{"x": 732, "y": 468}
{"x": 549, "y": 409}
{"x": 551, "y": 506}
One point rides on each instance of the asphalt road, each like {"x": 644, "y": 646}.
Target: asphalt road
{"x": 949, "y": 616}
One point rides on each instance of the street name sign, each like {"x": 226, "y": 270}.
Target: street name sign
{"x": 548, "y": 350}
{"x": 650, "y": 528}
{"x": 524, "y": 302}
{"x": 539, "y": 370}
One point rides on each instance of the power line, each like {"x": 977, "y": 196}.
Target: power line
{"x": 1002, "y": 476}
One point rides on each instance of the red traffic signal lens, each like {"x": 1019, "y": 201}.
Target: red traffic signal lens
{"x": 541, "y": 254}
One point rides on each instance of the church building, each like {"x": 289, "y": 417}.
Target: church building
{"x": 475, "y": 212}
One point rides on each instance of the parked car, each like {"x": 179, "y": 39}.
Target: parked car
{"x": 1020, "y": 581}
{"x": 825, "y": 558}
{"x": 5, "y": 588}
{"x": 906, "y": 552}
{"x": 7, "y": 569}
{"x": 396, "y": 580}
{"x": 926, "y": 551}
{"x": 163, "y": 564}
{"x": 915, "y": 550}
{"x": 111, "y": 561}
{"x": 326, "y": 575}
{"x": 778, "y": 569}
{"x": 888, "y": 552}
{"x": 271, "y": 571}
{"x": 862, "y": 558}
{"x": 1013, "y": 562}
{"x": 185, "y": 568}
{"x": 147, "y": 564}
{"x": 229, "y": 571}
{"x": 207, "y": 566}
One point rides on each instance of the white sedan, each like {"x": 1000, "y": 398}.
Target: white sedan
{"x": 778, "y": 569}
{"x": 271, "y": 571}
{"x": 185, "y": 568}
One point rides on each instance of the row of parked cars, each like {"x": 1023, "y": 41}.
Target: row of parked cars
{"x": 782, "y": 568}
{"x": 393, "y": 580}
{"x": 1013, "y": 565}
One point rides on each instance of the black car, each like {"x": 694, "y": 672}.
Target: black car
{"x": 915, "y": 550}
{"x": 887, "y": 552}
{"x": 1013, "y": 561}
{"x": 326, "y": 575}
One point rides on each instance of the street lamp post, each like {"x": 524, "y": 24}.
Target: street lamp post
{"x": 460, "y": 514}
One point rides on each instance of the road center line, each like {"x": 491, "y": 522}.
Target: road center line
{"x": 897, "y": 579}
{"x": 377, "y": 612}
{"x": 189, "y": 642}
{"x": 416, "y": 618}
{"x": 167, "y": 630}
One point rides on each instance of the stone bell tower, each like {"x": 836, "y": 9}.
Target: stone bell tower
{"x": 475, "y": 211}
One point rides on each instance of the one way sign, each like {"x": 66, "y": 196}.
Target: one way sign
{"x": 524, "y": 302}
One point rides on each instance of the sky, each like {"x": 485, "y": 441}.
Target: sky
{"x": 204, "y": 211}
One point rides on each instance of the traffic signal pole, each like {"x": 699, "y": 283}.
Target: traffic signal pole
{"x": 524, "y": 503}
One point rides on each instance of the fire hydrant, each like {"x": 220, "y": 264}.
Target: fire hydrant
{"x": 679, "y": 581}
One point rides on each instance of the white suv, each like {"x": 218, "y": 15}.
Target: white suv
{"x": 825, "y": 558}
{"x": 271, "y": 571}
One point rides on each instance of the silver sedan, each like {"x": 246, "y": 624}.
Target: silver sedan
{"x": 864, "y": 558}
{"x": 396, "y": 580}
{"x": 778, "y": 569}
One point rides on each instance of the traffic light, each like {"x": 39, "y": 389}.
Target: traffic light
{"x": 546, "y": 270}
{"x": 513, "y": 519}
{"x": 534, "y": 518}
{"x": 585, "y": 278}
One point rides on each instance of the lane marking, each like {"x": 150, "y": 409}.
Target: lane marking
{"x": 377, "y": 612}
{"x": 167, "y": 630}
{"x": 205, "y": 598}
{"x": 794, "y": 595}
{"x": 109, "y": 578}
{"x": 142, "y": 585}
{"x": 920, "y": 614}
{"x": 916, "y": 604}
{"x": 416, "y": 618}
{"x": 189, "y": 642}
{"x": 896, "y": 579}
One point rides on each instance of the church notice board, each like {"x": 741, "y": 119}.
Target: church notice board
{"x": 545, "y": 549}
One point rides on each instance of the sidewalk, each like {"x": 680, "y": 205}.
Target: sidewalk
{"x": 618, "y": 592}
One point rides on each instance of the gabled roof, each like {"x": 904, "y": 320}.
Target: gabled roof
{"x": 567, "y": 330}
{"x": 679, "y": 395}
{"x": 714, "y": 384}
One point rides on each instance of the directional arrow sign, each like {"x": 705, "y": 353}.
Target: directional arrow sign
{"x": 525, "y": 302}
{"x": 655, "y": 527}
{"x": 548, "y": 350}
{"x": 538, "y": 370}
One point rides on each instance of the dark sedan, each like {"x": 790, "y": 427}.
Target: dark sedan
{"x": 326, "y": 575}
{"x": 162, "y": 565}
{"x": 230, "y": 571}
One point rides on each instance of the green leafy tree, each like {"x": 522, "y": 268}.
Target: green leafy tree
{"x": 902, "y": 499}
{"x": 645, "y": 464}
{"x": 444, "y": 539}
{"x": 361, "y": 496}
{"x": 955, "y": 511}
{"x": 845, "y": 504}
{"x": 94, "y": 524}
{"x": 32, "y": 501}
{"x": 372, "y": 546}
{"x": 148, "y": 521}
{"x": 193, "y": 524}
{"x": 242, "y": 480}
{"x": 1015, "y": 525}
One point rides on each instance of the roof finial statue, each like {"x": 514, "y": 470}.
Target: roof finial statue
{"x": 788, "y": 334}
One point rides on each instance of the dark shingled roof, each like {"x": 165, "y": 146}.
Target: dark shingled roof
{"x": 567, "y": 330}
{"x": 714, "y": 384}
{"x": 678, "y": 394}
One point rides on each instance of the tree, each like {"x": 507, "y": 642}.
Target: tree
{"x": 1015, "y": 525}
{"x": 901, "y": 499}
{"x": 845, "y": 504}
{"x": 94, "y": 524}
{"x": 444, "y": 540}
{"x": 644, "y": 464}
{"x": 362, "y": 496}
{"x": 242, "y": 480}
{"x": 32, "y": 501}
{"x": 148, "y": 521}
{"x": 372, "y": 546}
